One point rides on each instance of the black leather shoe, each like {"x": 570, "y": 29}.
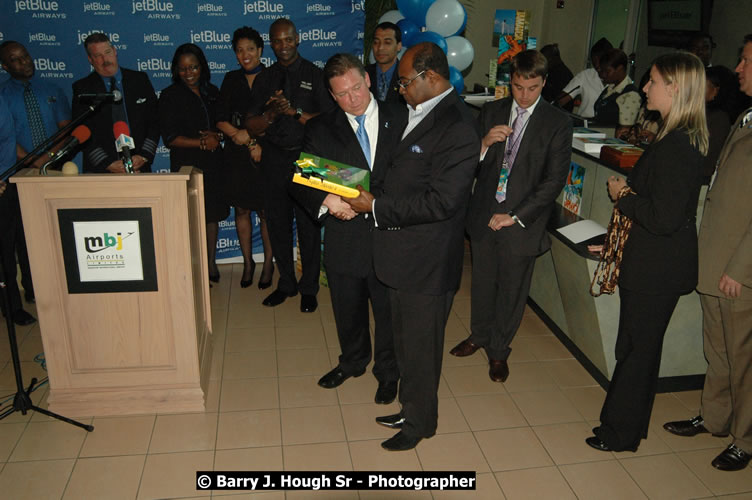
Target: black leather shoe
{"x": 29, "y": 296}
{"x": 308, "y": 303}
{"x": 335, "y": 378}
{"x": 498, "y": 370}
{"x": 22, "y": 318}
{"x": 277, "y": 297}
{"x": 392, "y": 421}
{"x": 595, "y": 442}
{"x": 731, "y": 459}
{"x": 687, "y": 428}
{"x": 386, "y": 393}
{"x": 401, "y": 442}
{"x": 246, "y": 283}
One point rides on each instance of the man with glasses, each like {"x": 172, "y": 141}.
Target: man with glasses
{"x": 137, "y": 108}
{"x": 419, "y": 242}
{"x": 360, "y": 132}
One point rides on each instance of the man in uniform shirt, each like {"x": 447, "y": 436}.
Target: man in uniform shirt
{"x": 284, "y": 97}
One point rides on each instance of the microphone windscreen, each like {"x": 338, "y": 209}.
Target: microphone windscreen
{"x": 120, "y": 128}
{"x": 82, "y": 133}
{"x": 70, "y": 168}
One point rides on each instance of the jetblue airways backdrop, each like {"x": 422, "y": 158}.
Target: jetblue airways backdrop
{"x": 147, "y": 32}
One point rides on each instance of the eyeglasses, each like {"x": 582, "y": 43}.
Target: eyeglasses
{"x": 185, "y": 69}
{"x": 404, "y": 84}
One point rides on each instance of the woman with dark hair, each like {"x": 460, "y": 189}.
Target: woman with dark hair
{"x": 187, "y": 117}
{"x": 243, "y": 153}
{"x": 655, "y": 220}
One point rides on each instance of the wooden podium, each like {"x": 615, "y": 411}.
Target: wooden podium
{"x": 115, "y": 342}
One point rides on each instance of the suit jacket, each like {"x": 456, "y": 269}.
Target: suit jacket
{"x": 392, "y": 95}
{"x": 725, "y": 240}
{"x": 660, "y": 255}
{"x": 536, "y": 179}
{"x": 348, "y": 245}
{"x": 143, "y": 120}
{"x": 419, "y": 244}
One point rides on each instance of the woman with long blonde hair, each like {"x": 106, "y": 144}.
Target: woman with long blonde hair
{"x": 659, "y": 259}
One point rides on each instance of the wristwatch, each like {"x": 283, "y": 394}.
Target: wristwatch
{"x": 298, "y": 113}
{"x": 516, "y": 219}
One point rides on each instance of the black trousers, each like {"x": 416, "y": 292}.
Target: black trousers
{"x": 419, "y": 322}
{"x": 350, "y": 296}
{"x": 9, "y": 220}
{"x": 499, "y": 291}
{"x": 280, "y": 209}
{"x": 643, "y": 320}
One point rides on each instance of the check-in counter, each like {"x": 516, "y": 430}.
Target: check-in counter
{"x": 588, "y": 325}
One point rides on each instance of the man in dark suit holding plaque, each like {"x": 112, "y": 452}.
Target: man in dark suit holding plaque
{"x": 525, "y": 158}
{"x": 360, "y": 132}
{"x": 137, "y": 107}
{"x": 419, "y": 244}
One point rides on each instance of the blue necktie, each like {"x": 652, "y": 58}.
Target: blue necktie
{"x": 383, "y": 87}
{"x": 34, "y": 115}
{"x": 118, "y": 108}
{"x": 362, "y": 135}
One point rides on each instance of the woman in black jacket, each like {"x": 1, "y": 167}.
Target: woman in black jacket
{"x": 659, "y": 262}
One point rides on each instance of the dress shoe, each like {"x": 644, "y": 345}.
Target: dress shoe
{"x": 335, "y": 378}
{"x": 732, "y": 458}
{"x": 688, "y": 428}
{"x": 264, "y": 284}
{"x": 386, "y": 393}
{"x": 401, "y": 442}
{"x": 277, "y": 297}
{"x": 464, "y": 348}
{"x": 214, "y": 277}
{"x": 308, "y": 303}
{"x": 498, "y": 370}
{"x": 392, "y": 421}
{"x": 22, "y": 318}
{"x": 595, "y": 442}
{"x": 29, "y": 296}
{"x": 249, "y": 281}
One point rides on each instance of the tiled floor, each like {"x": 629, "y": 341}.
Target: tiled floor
{"x": 524, "y": 438}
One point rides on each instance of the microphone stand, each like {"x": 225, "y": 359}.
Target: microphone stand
{"x": 52, "y": 139}
{"x": 22, "y": 400}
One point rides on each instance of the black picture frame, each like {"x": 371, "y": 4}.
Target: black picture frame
{"x": 66, "y": 219}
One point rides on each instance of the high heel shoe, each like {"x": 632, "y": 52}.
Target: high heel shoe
{"x": 266, "y": 284}
{"x": 214, "y": 277}
{"x": 248, "y": 282}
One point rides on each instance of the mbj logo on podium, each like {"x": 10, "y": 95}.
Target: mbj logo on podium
{"x": 95, "y": 244}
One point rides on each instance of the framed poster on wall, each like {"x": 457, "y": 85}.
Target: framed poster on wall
{"x": 108, "y": 250}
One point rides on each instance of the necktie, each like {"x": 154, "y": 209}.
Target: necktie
{"x": 118, "y": 109}
{"x": 362, "y": 136}
{"x": 510, "y": 153}
{"x": 34, "y": 115}
{"x": 383, "y": 87}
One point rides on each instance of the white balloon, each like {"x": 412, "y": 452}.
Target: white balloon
{"x": 391, "y": 16}
{"x": 460, "y": 52}
{"x": 445, "y": 17}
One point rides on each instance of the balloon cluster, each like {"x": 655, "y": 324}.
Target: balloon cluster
{"x": 440, "y": 22}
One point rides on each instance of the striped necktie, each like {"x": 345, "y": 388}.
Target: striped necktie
{"x": 34, "y": 115}
{"x": 511, "y": 148}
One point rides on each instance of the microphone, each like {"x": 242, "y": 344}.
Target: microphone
{"x": 79, "y": 135}
{"x": 124, "y": 143}
{"x": 115, "y": 95}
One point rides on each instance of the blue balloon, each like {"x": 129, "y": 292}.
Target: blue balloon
{"x": 409, "y": 29}
{"x": 455, "y": 78}
{"x": 415, "y": 10}
{"x": 429, "y": 36}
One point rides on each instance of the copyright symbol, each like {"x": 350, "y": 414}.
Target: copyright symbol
{"x": 203, "y": 482}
